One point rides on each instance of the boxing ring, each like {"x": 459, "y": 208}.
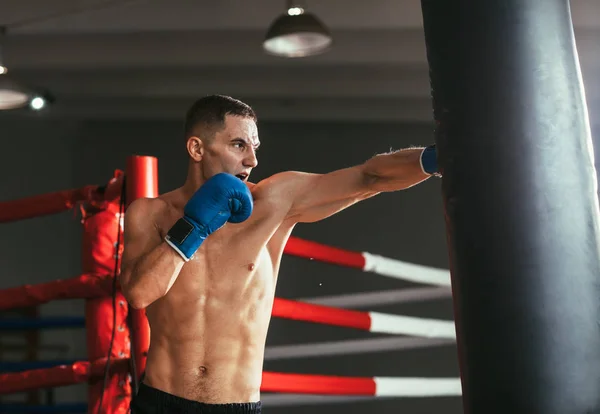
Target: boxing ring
{"x": 118, "y": 336}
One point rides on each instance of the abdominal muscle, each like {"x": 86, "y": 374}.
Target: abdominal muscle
{"x": 208, "y": 333}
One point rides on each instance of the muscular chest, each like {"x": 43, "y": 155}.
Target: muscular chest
{"x": 235, "y": 257}
{"x": 233, "y": 249}
{"x": 228, "y": 265}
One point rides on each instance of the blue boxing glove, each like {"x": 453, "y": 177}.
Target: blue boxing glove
{"x": 220, "y": 199}
{"x": 429, "y": 163}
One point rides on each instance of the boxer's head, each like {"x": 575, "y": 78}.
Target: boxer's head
{"x": 221, "y": 136}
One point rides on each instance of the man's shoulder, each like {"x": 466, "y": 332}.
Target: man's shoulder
{"x": 148, "y": 207}
{"x": 283, "y": 186}
{"x": 282, "y": 181}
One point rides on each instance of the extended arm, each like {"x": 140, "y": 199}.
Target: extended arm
{"x": 150, "y": 266}
{"x": 317, "y": 196}
{"x": 400, "y": 169}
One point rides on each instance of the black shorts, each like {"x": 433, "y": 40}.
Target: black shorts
{"x": 152, "y": 401}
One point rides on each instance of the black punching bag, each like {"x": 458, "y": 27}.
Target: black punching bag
{"x": 519, "y": 192}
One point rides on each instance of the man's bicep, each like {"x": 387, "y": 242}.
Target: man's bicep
{"x": 140, "y": 233}
{"x": 317, "y": 196}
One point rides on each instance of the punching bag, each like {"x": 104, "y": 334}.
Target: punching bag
{"x": 520, "y": 198}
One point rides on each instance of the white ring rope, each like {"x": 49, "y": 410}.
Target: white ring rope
{"x": 385, "y": 297}
{"x": 355, "y": 346}
{"x": 406, "y": 271}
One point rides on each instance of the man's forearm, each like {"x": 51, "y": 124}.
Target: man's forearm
{"x": 152, "y": 276}
{"x": 396, "y": 170}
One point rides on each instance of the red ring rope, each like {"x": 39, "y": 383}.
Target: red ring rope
{"x": 82, "y": 371}
{"x": 56, "y": 202}
{"x": 44, "y": 204}
{"x": 278, "y": 382}
{"x": 317, "y": 384}
{"x": 85, "y": 286}
{"x": 59, "y": 376}
{"x": 289, "y": 309}
{"x": 323, "y": 253}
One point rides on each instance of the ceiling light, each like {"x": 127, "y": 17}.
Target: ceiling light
{"x": 37, "y": 103}
{"x": 12, "y": 94}
{"x": 297, "y": 34}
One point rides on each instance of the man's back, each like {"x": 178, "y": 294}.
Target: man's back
{"x": 208, "y": 332}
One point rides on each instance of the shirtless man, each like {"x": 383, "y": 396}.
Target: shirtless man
{"x": 203, "y": 259}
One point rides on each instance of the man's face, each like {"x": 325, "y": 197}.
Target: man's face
{"x": 233, "y": 149}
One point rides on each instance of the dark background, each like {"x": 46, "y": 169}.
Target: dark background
{"x": 123, "y": 77}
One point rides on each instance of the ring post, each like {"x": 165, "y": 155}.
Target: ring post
{"x": 141, "y": 182}
{"x": 520, "y": 198}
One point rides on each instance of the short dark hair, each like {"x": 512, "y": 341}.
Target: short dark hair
{"x": 209, "y": 112}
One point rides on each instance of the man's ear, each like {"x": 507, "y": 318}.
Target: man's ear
{"x": 195, "y": 148}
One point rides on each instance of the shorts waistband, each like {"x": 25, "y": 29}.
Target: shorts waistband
{"x": 163, "y": 399}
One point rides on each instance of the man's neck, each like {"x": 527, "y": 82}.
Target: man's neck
{"x": 192, "y": 183}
